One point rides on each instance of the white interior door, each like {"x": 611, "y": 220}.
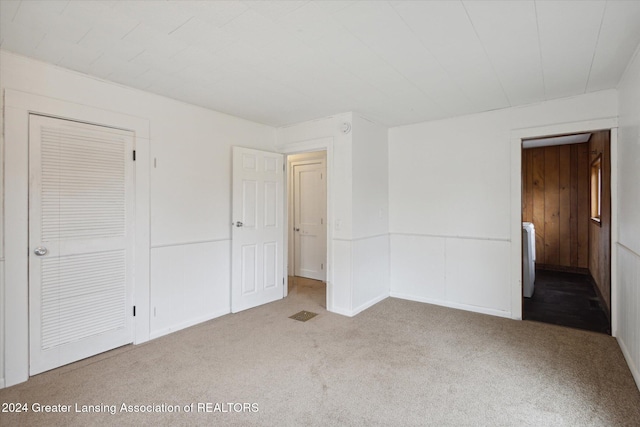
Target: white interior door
{"x": 309, "y": 188}
{"x": 257, "y": 272}
{"x": 80, "y": 241}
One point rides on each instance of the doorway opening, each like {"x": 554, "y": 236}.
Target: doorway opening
{"x": 566, "y": 235}
{"x": 307, "y": 227}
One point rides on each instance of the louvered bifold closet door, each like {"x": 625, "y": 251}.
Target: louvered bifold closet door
{"x": 81, "y": 240}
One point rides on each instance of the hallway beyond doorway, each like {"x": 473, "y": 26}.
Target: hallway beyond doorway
{"x": 314, "y": 290}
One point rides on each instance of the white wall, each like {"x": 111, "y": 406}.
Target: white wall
{"x": 370, "y": 244}
{"x": 358, "y": 207}
{"x": 190, "y": 283}
{"x": 451, "y": 199}
{"x": 190, "y": 186}
{"x": 628, "y": 247}
{"x": 191, "y": 211}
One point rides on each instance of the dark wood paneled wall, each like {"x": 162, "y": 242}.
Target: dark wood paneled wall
{"x": 555, "y": 197}
{"x": 600, "y": 234}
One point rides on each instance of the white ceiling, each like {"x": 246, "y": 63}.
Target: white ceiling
{"x": 282, "y": 62}
{"x": 556, "y": 140}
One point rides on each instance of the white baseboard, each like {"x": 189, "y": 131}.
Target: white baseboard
{"x": 1, "y": 383}
{"x": 632, "y": 367}
{"x": 369, "y": 303}
{"x": 188, "y": 323}
{"x": 466, "y": 307}
{"x": 359, "y": 309}
{"x": 341, "y": 311}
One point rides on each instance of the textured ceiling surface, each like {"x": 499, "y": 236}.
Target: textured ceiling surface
{"x": 282, "y": 62}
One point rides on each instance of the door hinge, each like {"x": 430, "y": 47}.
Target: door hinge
{"x": 321, "y": 266}
{"x": 321, "y": 221}
{"x": 134, "y": 311}
{"x": 134, "y": 155}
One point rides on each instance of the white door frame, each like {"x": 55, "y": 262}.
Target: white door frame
{"x": 17, "y": 107}
{"x": 291, "y": 200}
{"x": 319, "y": 144}
{"x": 516, "y": 203}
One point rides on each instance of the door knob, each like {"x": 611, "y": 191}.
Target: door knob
{"x": 297, "y": 229}
{"x": 40, "y": 251}
{"x": 239, "y": 224}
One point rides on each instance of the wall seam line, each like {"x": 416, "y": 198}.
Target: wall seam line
{"x": 443, "y": 236}
{"x": 195, "y": 242}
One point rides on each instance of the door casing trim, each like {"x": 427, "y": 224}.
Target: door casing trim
{"x": 291, "y": 200}
{"x": 516, "y": 137}
{"x": 17, "y": 107}
{"x": 307, "y": 146}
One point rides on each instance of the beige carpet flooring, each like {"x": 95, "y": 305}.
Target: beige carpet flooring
{"x": 398, "y": 363}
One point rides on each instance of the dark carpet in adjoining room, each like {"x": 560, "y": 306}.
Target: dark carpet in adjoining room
{"x": 566, "y": 299}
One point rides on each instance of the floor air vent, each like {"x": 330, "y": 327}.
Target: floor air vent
{"x": 303, "y": 316}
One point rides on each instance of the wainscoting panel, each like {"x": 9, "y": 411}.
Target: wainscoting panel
{"x": 418, "y": 266}
{"x": 190, "y": 284}
{"x": 477, "y": 273}
{"x": 340, "y": 286}
{"x": 628, "y": 332}
{"x": 467, "y": 273}
{"x": 370, "y": 271}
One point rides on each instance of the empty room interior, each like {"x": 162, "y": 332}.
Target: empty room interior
{"x": 320, "y": 212}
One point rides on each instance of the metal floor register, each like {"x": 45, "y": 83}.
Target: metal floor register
{"x": 303, "y": 316}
